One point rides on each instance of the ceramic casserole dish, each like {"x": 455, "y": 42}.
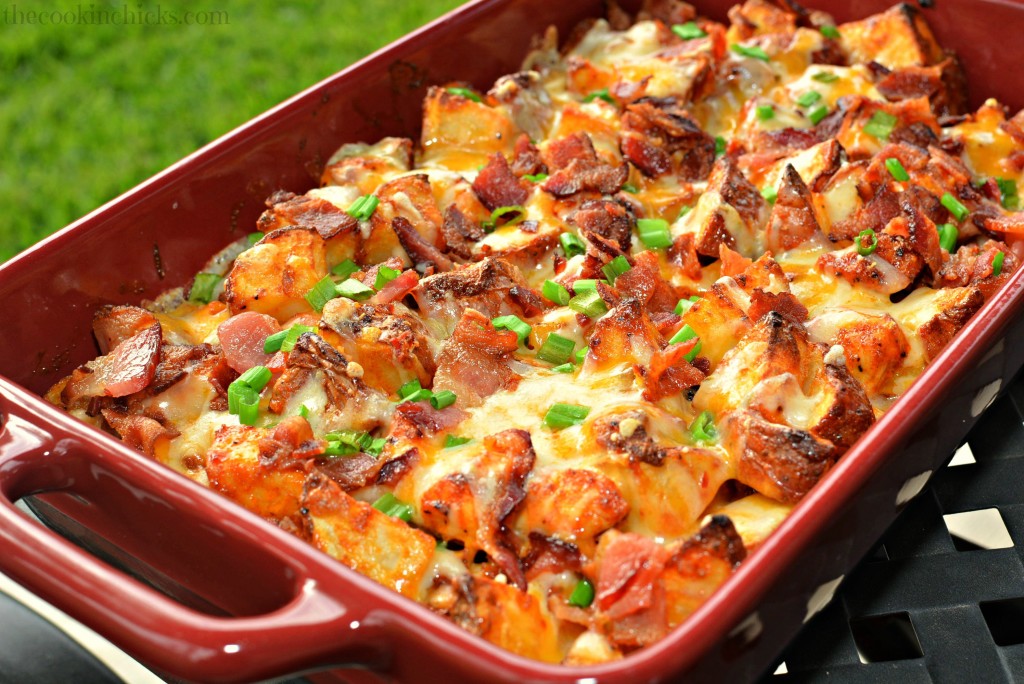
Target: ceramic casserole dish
{"x": 202, "y": 590}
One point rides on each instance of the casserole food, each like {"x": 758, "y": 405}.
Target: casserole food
{"x": 985, "y": 334}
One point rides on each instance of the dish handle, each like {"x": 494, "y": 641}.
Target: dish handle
{"x": 312, "y": 626}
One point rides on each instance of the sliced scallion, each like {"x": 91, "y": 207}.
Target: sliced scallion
{"x": 859, "y": 242}
{"x": 564, "y": 368}
{"x": 997, "y": 263}
{"x": 614, "y": 268}
{"x": 688, "y": 31}
{"x": 830, "y": 31}
{"x": 602, "y": 94}
{"x": 752, "y": 51}
{"x": 464, "y": 92}
{"x": 958, "y": 210}
{"x": 362, "y": 209}
{"x": 451, "y": 441}
{"x": 808, "y": 98}
{"x": 654, "y": 233}
{"x": 817, "y": 114}
{"x": 556, "y": 349}
{"x": 825, "y": 77}
{"x": 443, "y": 399}
{"x": 948, "y": 235}
{"x": 765, "y": 112}
{"x": 880, "y": 125}
{"x": 355, "y": 290}
{"x": 321, "y": 293}
{"x": 703, "y": 428}
{"x": 555, "y": 292}
{"x": 535, "y": 177}
{"x": 770, "y": 194}
{"x": 345, "y": 269}
{"x": 582, "y": 594}
{"x": 390, "y": 505}
{"x": 384, "y": 276}
{"x": 409, "y": 388}
{"x": 571, "y": 244}
{"x": 517, "y": 325}
{"x": 204, "y": 287}
{"x": 561, "y": 416}
{"x": 896, "y": 169}
{"x": 589, "y": 304}
{"x": 253, "y": 238}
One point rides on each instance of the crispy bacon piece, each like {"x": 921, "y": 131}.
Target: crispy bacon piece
{"x": 497, "y": 186}
{"x": 305, "y": 211}
{"x": 242, "y": 337}
{"x": 668, "y": 11}
{"x": 972, "y": 265}
{"x": 396, "y": 289}
{"x": 644, "y": 283}
{"x": 492, "y": 286}
{"x": 630, "y": 598}
{"x": 141, "y": 433}
{"x": 670, "y": 373}
{"x": 423, "y": 254}
{"x": 112, "y": 325}
{"x": 793, "y": 220}
{"x": 129, "y": 368}
{"x": 474, "y": 362}
{"x": 459, "y": 232}
{"x": 575, "y": 167}
{"x": 659, "y": 137}
{"x": 527, "y": 159}
{"x": 611, "y": 219}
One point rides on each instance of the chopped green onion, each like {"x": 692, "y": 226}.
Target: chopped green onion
{"x": 561, "y": 416}
{"x": 244, "y": 394}
{"x": 353, "y": 289}
{"x": 753, "y": 51}
{"x": 419, "y": 395}
{"x": 582, "y": 595}
{"x": 517, "y": 325}
{"x": 345, "y": 269}
{"x": 589, "y": 304}
{"x": 571, "y": 244}
{"x": 817, "y": 114}
{"x": 770, "y": 194}
{"x": 555, "y": 292}
{"x": 443, "y": 399}
{"x": 825, "y": 77}
{"x": 204, "y": 285}
{"x": 581, "y": 355}
{"x": 948, "y": 235}
{"x": 683, "y": 212}
{"x": 256, "y": 377}
{"x": 584, "y": 285}
{"x": 501, "y": 211}
{"x": 292, "y": 336}
{"x": 880, "y": 125}
{"x": 955, "y": 208}
{"x": 390, "y": 505}
{"x": 688, "y": 31}
{"x": 808, "y": 98}
{"x": 703, "y": 428}
{"x": 1008, "y": 191}
{"x": 564, "y": 368}
{"x": 304, "y": 411}
{"x": 556, "y": 349}
{"x": 654, "y": 233}
{"x": 683, "y": 305}
{"x": 464, "y": 92}
{"x": 602, "y": 93}
{"x": 896, "y": 169}
{"x": 346, "y": 442}
{"x": 453, "y": 441}
{"x": 720, "y": 144}
{"x": 253, "y": 238}
{"x": 376, "y": 446}
{"x": 830, "y": 32}
{"x": 997, "y": 263}
{"x": 616, "y": 267}
{"x": 687, "y": 333}
{"x": 862, "y": 249}
{"x": 321, "y": 293}
{"x": 243, "y": 401}
{"x": 384, "y": 276}
{"x": 409, "y": 388}
{"x": 765, "y": 112}
{"x": 630, "y": 188}
{"x": 362, "y": 209}
{"x": 536, "y": 177}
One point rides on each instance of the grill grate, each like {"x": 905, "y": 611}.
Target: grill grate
{"x": 941, "y": 596}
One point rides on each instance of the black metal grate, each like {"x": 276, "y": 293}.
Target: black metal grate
{"x": 941, "y": 597}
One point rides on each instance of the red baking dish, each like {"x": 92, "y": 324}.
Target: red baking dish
{"x": 250, "y": 601}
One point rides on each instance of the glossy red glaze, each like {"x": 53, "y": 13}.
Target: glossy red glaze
{"x": 295, "y": 609}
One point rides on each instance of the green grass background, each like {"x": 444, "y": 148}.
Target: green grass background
{"x": 89, "y": 110}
